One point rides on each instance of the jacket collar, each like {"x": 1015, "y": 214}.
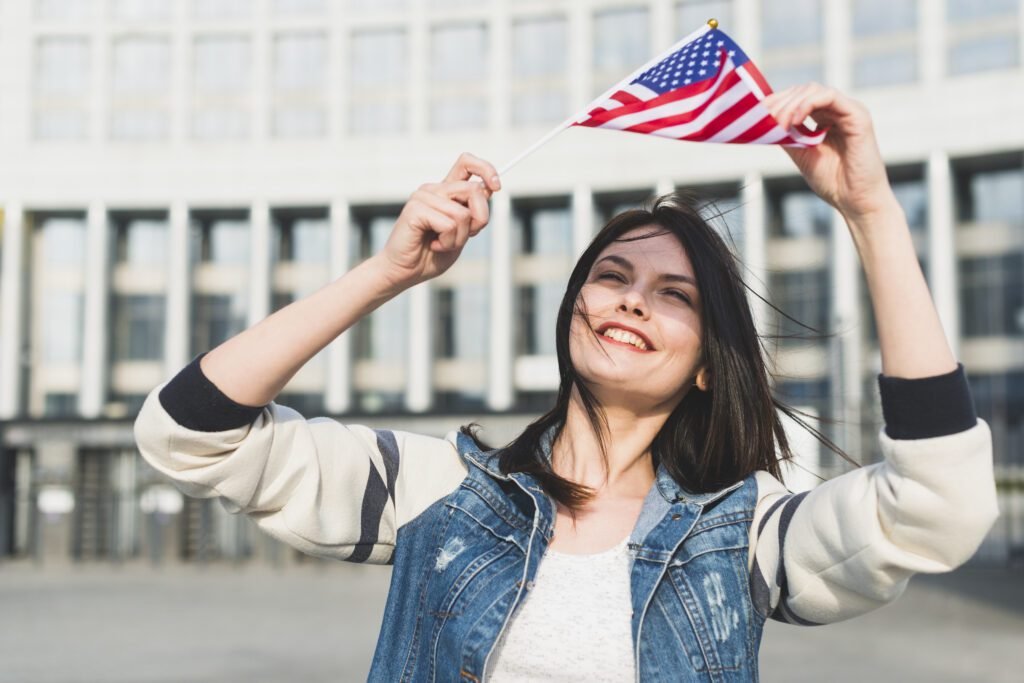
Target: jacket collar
{"x": 671, "y": 491}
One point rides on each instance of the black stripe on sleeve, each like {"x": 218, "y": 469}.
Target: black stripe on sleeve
{"x": 759, "y": 591}
{"x": 927, "y": 407}
{"x": 194, "y": 402}
{"x": 375, "y": 497}
{"x": 768, "y": 515}
{"x": 785, "y": 517}
{"x": 388, "y": 446}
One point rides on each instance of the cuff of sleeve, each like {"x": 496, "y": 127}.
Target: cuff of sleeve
{"x": 927, "y": 407}
{"x": 194, "y": 402}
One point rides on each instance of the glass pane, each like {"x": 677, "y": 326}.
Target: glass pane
{"x": 791, "y": 23}
{"x": 458, "y": 53}
{"x": 805, "y": 296}
{"x": 216, "y": 318}
{"x": 221, "y": 9}
{"x": 377, "y": 118}
{"x": 781, "y": 77}
{"x": 223, "y": 123}
{"x": 62, "y": 66}
{"x": 998, "y": 196}
{"x": 984, "y": 54}
{"x": 141, "y": 9}
{"x": 886, "y": 68}
{"x": 458, "y": 114}
{"x": 979, "y": 9}
{"x": 222, "y": 64}
{"x": 299, "y": 6}
{"x": 379, "y": 59}
{"x": 138, "y": 327}
{"x": 64, "y": 10}
{"x": 145, "y": 242}
{"x": 874, "y": 17}
{"x": 992, "y": 295}
{"x": 62, "y": 327}
{"x": 311, "y": 240}
{"x": 300, "y": 61}
{"x": 803, "y": 214}
{"x": 621, "y": 41}
{"x": 141, "y": 65}
{"x": 139, "y": 124}
{"x": 913, "y": 198}
{"x": 59, "y": 124}
{"x": 63, "y": 241}
{"x": 229, "y": 242}
{"x": 539, "y": 47}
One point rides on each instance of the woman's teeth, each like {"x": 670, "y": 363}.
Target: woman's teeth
{"x": 621, "y": 335}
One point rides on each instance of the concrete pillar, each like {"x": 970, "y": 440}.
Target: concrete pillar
{"x": 499, "y": 92}
{"x": 942, "y": 269}
{"x": 92, "y": 392}
{"x": 262, "y": 72}
{"x": 418, "y": 62}
{"x": 260, "y": 234}
{"x": 579, "y": 40}
{"x": 846, "y": 363}
{"x": 837, "y": 55}
{"x": 338, "y": 395}
{"x": 752, "y": 197}
{"x": 419, "y": 391}
{"x": 664, "y": 31}
{"x": 746, "y": 17}
{"x": 582, "y": 219}
{"x": 177, "y": 342}
{"x": 13, "y": 276}
{"x": 500, "y": 392}
{"x": 931, "y": 56}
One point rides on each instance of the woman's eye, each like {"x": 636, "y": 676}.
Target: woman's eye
{"x": 678, "y": 294}
{"x": 611, "y": 275}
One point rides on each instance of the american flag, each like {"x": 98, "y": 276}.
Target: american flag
{"x": 705, "y": 89}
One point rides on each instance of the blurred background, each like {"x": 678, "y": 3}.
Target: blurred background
{"x": 172, "y": 171}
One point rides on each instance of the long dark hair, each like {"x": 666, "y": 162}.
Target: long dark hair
{"x": 712, "y": 438}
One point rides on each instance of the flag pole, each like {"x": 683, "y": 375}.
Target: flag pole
{"x": 711, "y": 24}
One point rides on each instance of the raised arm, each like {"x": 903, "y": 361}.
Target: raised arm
{"x": 851, "y": 544}
{"x": 340, "y": 491}
{"x": 254, "y": 366}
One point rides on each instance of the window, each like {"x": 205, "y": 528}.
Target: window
{"x": 141, "y": 241}
{"x": 137, "y": 332}
{"x": 383, "y": 335}
{"x": 982, "y": 36}
{"x": 63, "y": 241}
{"x": 302, "y": 237}
{"x": 458, "y": 75}
{"x": 60, "y": 404}
{"x": 692, "y": 14}
{"x": 791, "y": 37}
{"x": 806, "y": 296}
{"x": 539, "y": 65}
{"x": 221, "y": 9}
{"x": 141, "y": 9}
{"x": 216, "y": 318}
{"x": 621, "y": 44}
{"x": 378, "y": 73}
{"x": 992, "y": 196}
{"x": 542, "y": 235}
{"x": 62, "y": 326}
{"x": 289, "y": 7}
{"x": 801, "y": 214}
{"x": 300, "y": 77}
{"x": 885, "y": 42}
{"x": 64, "y": 10}
{"x": 62, "y": 80}
{"x": 221, "y": 83}
{"x": 220, "y": 238}
{"x": 992, "y": 295}
{"x": 140, "y": 82}
{"x": 999, "y": 399}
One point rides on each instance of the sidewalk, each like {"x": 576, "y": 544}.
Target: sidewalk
{"x": 136, "y": 624}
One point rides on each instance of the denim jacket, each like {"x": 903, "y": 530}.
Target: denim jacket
{"x": 464, "y": 565}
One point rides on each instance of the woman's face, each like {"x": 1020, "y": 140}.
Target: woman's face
{"x": 639, "y": 344}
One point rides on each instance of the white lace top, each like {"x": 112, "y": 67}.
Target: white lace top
{"x": 574, "y": 624}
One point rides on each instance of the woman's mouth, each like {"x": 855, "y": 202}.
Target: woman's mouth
{"x": 623, "y": 337}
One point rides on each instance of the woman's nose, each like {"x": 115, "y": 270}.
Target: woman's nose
{"x": 633, "y": 303}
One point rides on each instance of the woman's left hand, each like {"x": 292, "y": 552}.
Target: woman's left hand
{"x": 846, "y": 169}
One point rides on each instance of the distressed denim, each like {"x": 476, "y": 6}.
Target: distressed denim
{"x": 463, "y": 566}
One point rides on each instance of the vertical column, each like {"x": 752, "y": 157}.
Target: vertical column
{"x": 262, "y": 57}
{"x": 99, "y": 92}
{"x": 746, "y": 14}
{"x": 419, "y": 391}
{"x": 931, "y": 35}
{"x": 181, "y": 61}
{"x": 338, "y": 397}
{"x": 259, "y": 261}
{"x": 582, "y": 219}
{"x": 500, "y": 393}
{"x": 846, "y": 366}
{"x": 755, "y": 247}
{"x": 942, "y": 246}
{"x": 12, "y": 311}
{"x": 579, "y": 41}
{"x": 500, "y": 92}
{"x": 418, "y": 60}
{"x": 92, "y": 391}
{"x": 664, "y": 31}
{"x": 838, "y": 29}
{"x": 179, "y": 286}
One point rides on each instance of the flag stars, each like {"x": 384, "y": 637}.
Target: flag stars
{"x": 702, "y": 72}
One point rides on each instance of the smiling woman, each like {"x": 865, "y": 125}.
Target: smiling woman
{"x": 639, "y": 530}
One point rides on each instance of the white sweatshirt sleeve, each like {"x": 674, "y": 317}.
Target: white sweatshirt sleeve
{"x": 322, "y": 487}
{"x": 851, "y": 544}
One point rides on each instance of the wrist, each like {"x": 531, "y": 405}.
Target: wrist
{"x": 879, "y": 214}
{"x": 389, "y": 280}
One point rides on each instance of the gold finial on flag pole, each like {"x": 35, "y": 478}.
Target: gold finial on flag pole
{"x": 713, "y": 23}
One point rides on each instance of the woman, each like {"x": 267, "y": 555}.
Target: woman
{"x": 639, "y": 530}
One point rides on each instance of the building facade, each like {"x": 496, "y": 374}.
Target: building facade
{"x": 173, "y": 171}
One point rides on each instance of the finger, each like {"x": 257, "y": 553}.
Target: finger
{"x": 786, "y": 113}
{"x": 818, "y": 103}
{"x": 438, "y": 226}
{"x": 479, "y": 210}
{"x": 461, "y": 190}
{"x": 775, "y": 102}
{"x": 455, "y": 210}
{"x": 467, "y": 165}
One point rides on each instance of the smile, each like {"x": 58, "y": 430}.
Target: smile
{"x": 625, "y": 337}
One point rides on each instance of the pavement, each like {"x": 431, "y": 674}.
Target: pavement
{"x": 318, "y": 622}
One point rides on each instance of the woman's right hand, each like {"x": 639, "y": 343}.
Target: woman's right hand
{"x": 436, "y": 223}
